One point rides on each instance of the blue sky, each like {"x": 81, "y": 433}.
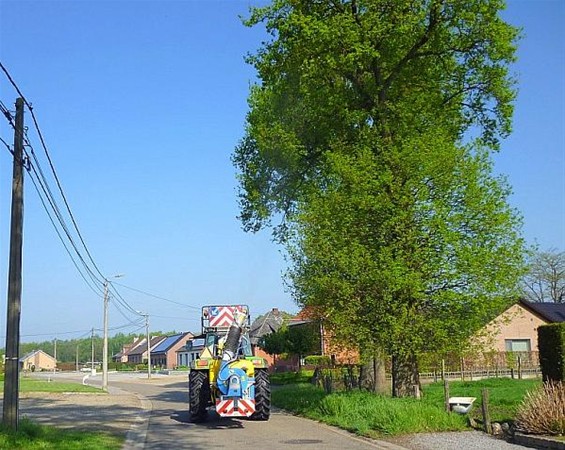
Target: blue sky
{"x": 141, "y": 104}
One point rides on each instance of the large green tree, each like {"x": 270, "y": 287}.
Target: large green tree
{"x": 368, "y": 139}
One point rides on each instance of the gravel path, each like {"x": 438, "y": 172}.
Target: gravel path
{"x": 465, "y": 440}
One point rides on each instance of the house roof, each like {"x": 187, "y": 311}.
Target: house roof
{"x": 127, "y": 348}
{"x": 33, "y": 353}
{"x": 267, "y": 324}
{"x": 165, "y": 345}
{"x": 141, "y": 348}
{"x": 551, "y": 312}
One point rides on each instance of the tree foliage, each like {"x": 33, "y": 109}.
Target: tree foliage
{"x": 369, "y": 138}
{"x": 300, "y": 340}
{"x": 67, "y": 349}
{"x": 545, "y": 279}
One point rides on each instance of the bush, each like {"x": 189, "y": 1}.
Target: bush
{"x": 543, "y": 410}
{"x": 317, "y": 360}
{"x": 551, "y": 344}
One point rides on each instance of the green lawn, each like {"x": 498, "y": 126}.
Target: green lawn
{"x": 377, "y": 416}
{"x": 505, "y": 395}
{"x": 37, "y": 385}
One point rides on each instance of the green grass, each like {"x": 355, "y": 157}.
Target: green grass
{"x": 34, "y": 385}
{"x": 32, "y": 436}
{"x": 505, "y": 395}
{"x": 373, "y": 415}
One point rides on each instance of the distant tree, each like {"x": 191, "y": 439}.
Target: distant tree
{"x": 299, "y": 340}
{"x": 545, "y": 280}
{"x": 304, "y": 340}
{"x": 275, "y": 343}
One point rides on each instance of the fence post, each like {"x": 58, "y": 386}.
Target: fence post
{"x": 443, "y": 369}
{"x": 417, "y": 392}
{"x": 519, "y": 367}
{"x": 446, "y": 394}
{"x": 486, "y": 416}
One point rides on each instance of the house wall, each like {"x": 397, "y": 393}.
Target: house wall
{"x": 258, "y": 351}
{"x": 184, "y": 357}
{"x": 515, "y": 324}
{"x": 169, "y": 359}
{"x": 41, "y": 361}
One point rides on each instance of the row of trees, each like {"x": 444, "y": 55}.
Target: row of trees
{"x": 67, "y": 350}
{"x": 368, "y": 152}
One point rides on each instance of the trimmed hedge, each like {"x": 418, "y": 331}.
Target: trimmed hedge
{"x": 551, "y": 345}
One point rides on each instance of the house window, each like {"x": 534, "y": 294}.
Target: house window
{"x": 518, "y": 345}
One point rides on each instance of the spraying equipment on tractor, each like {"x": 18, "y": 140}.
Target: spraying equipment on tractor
{"x": 227, "y": 375}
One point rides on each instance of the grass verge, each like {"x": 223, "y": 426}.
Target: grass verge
{"x": 35, "y": 385}
{"x": 378, "y": 416}
{"x": 32, "y": 436}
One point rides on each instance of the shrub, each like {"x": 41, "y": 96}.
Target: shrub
{"x": 543, "y": 410}
{"x": 551, "y": 344}
{"x": 318, "y": 360}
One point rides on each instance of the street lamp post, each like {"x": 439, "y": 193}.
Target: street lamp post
{"x": 148, "y": 346}
{"x": 105, "y": 344}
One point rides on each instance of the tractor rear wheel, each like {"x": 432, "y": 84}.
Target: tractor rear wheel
{"x": 199, "y": 395}
{"x": 262, "y": 395}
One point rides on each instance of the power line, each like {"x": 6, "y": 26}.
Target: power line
{"x": 156, "y": 296}
{"x": 44, "y": 145}
{"x": 7, "y": 146}
{"x": 121, "y": 300}
{"x": 98, "y": 289}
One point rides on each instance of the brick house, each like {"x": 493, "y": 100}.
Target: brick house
{"x": 269, "y": 323}
{"x": 37, "y": 360}
{"x": 138, "y": 354}
{"x": 515, "y": 330}
{"x": 165, "y": 353}
{"x": 191, "y": 350}
{"x": 122, "y": 356}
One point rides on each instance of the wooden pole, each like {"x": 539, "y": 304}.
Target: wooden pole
{"x": 443, "y": 369}
{"x": 486, "y": 415}
{"x": 519, "y": 367}
{"x": 446, "y": 394}
{"x": 12, "y": 364}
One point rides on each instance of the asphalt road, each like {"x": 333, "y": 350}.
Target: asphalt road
{"x": 169, "y": 426}
{"x": 162, "y": 421}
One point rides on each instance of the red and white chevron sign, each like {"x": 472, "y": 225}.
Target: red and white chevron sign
{"x": 235, "y": 408}
{"x": 222, "y": 316}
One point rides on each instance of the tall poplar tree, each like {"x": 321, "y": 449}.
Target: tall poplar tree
{"x": 368, "y": 140}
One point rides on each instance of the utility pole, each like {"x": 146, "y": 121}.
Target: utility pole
{"x": 55, "y": 354}
{"x": 105, "y": 344}
{"x": 92, "y": 351}
{"x": 11, "y": 379}
{"x": 148, "y": 346}
{"x": 76, "y": 360}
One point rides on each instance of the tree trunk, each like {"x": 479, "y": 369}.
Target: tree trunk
{"x": 404, "y": 375}
{"x": 373, "y": 375}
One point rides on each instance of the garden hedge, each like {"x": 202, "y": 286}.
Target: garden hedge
{"x": 551, "y": 345}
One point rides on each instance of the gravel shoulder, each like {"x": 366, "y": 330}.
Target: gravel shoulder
{"x": 463, "y": 440}
{"x": 115, "y": 413}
